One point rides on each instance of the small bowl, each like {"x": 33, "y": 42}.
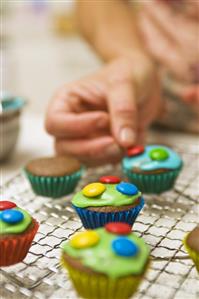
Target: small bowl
{"x": 9, "y": 123}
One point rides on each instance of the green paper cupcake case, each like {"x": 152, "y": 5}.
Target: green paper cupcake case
{"x": 99, "y": 286}
{"x": 54, "y": 187}
{"x": 153, "y": 183}
{"x": 193, "y": 254}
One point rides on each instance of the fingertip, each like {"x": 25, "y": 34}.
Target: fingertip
{"x": 127, "y": 137}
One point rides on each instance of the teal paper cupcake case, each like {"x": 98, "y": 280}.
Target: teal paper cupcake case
{"x": 54, "y": 187}
{"x": 153, "y": 183}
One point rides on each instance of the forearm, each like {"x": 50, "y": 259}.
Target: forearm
{"x": 110, "y": 28}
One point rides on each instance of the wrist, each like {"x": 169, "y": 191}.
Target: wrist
{"x": 133, "y": 54}
{"x": 137, "y": 57}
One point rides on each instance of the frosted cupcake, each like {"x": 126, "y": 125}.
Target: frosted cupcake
{"x": 153, "y": 168}
{"x": 191, "y": 243}
{"x": 110, "y": 199}
{"x": 107, "y": 262}
{"x": 53, "y": 176}
{"x": 17, "y": 231}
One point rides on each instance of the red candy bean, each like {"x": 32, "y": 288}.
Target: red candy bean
{"x": 110, "y": 179}
{"x": 6, "y": 205}
{"x": 118, "y": 228}
{"x": 135, "y": 151}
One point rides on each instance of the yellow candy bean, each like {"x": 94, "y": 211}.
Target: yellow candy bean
{"x": 94, "y": 189}
{"x": 85, "y": 239}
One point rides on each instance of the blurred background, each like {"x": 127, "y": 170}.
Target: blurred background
{"x": 40, "y": 50}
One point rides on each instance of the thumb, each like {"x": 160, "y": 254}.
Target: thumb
{"x": 123, "y": 113}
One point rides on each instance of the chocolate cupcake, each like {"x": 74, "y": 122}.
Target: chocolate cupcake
{"x": 191, "y": 243}
{"x": 108, "y": 262}
{"x": 17, "y": 230}
{"x": 108, "y": 200}
{"x": 54, "y": 176}
{"x": 153, "y": 168}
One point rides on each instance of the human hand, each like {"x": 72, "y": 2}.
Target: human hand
{"x": 99, "y": 116}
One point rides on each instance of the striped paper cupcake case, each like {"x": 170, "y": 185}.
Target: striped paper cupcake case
{"x": 14, "y": 249}
{"x": 153, "y": 183}
{"x": 193, "y": 254}
{"x": 54, "y": 187}
{"x": 92, "y": 219}
{"x": 101, "y": 286}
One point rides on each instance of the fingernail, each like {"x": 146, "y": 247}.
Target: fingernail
{"x": 113, "y": 150}
{"x": 127, "y": 136}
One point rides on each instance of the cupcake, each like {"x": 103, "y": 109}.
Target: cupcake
{"x": 53, "y": 177}
{"x": 107, "y": 262}
{"x": 109, "y": 200}
{"x": 17, "y": 231}
{"x": 153, "y": 168}
{"x": 191, "y": 243}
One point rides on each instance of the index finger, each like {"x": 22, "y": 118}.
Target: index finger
{"x": 123, "y": 113}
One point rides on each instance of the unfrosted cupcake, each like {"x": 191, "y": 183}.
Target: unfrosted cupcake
{"x": 191, "y": 243}
{"x": 53, "y": 176}
{"x": 17, "y": 231}
{"x": 110, "y": 199}
{"x": 106, "y": 263}
{"x": 153, "y": 168}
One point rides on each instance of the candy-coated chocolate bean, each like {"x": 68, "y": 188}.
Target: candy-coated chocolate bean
{"x": 127, "y": 188}
{"x": 118, "y": 228}
{"x": 93, "y": 189}
{"x": 159, "y": 154}
{"x": 135, "y": 150}
{"x": 124, "y": 247}
{"x": 6, "y": 205}
{"x": 110, "y": 179}
{"x": 85, "y": 239}
{"x": 11, "y": 216}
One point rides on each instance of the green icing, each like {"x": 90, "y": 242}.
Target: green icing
{"x": 101, "y": 258}
{"x": 110, "y": 197}
{"x": 16, "y": 228}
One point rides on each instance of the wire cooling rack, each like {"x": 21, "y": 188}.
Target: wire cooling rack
{"x": 163, "y": 224}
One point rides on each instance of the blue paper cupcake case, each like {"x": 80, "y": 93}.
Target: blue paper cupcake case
{"x": 153, "y": 183}
{"x": 54, "y": 187}
{"x": 93, "y": 219}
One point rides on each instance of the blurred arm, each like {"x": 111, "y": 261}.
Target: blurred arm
{"x": 110, "y": 28}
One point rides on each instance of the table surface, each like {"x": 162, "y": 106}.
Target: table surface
{"x": 163, "y": 224}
